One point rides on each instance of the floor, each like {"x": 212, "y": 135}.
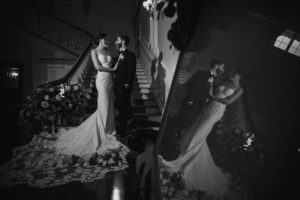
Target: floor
{"x": 119, "y": 185}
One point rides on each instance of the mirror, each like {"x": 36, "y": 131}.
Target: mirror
{"x": 243, "y": 148}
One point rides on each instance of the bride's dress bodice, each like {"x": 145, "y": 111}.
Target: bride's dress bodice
{"x": 222, "y": 91}
{"x": 105, "y": 60}
{"x": 104, "y": 78}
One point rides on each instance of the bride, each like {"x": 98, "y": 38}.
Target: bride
{"x": 96, "y": 133}
{"x": 83, "y": 153}
{"x": 195, "y": 163}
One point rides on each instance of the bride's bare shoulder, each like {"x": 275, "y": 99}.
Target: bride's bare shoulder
{"x": 94, "y": 52}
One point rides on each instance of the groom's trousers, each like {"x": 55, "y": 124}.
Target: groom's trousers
{"x": 123, "y": 105}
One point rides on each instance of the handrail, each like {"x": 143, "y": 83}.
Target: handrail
{"x": 43, "y": 38}
{"x": 75, "y": 67}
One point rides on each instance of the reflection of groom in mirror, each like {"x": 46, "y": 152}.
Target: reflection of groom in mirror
{"x": 197, "y": 94}
{"x": 123, "y": 81}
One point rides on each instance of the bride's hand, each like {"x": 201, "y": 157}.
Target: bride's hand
{"x": 121, "y": 57}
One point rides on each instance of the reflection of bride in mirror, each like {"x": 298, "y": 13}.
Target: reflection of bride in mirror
{"x": 195, "y": 162}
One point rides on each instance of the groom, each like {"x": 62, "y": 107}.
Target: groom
{"x": 197, "y": 95}
{"x": 123, "y": 80}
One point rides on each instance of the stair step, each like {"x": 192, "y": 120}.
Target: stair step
{"x": 140, "y": 73}
{"x": 143, "y": 102}
{"x": 142, "y": 96}
{"x": 141, "y": 86}
{"x": 155, "y": 118}
{"x": 146, "y": 114}
{"x": 142, "y": 90}
{"x": 143, "y": 81}
{"x": 143, "y": 77}
{"x": 146, "y": 110}
{"x": 144, "y": 84}
{"x": 140, "y": 79}
{"x": 139, "y": 70}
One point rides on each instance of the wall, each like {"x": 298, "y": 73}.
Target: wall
{"x": 51, "y": 63}
{"x": 153, "y": 44}
{"x": 15, "y": 47}
{"x": 243, "y": 36}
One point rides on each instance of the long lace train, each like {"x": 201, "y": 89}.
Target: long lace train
{"x": 37, "y": 164}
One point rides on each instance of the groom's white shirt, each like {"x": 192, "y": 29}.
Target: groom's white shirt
{"x": 122, "y": 49}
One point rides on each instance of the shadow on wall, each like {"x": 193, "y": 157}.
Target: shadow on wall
{"x": 158, "y": 74}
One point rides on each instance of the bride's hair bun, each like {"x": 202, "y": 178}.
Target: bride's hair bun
{"x": 99, "y": 37}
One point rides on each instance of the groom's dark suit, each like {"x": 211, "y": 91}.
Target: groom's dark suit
{"x": 124, "y": 75}
{"x": 196, "y": 98}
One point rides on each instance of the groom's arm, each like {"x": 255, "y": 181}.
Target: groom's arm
{"x": 131, "y": 69}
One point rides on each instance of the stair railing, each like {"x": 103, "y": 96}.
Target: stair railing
{"x": 78, "y": 71}
{"x": 49, "y": 27}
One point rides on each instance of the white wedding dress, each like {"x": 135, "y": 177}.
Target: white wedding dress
{"x": 96, "y": 134}
{"x": 195, "y": 163}
{"x": 84, "y": 153}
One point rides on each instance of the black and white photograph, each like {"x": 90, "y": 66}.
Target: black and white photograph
{"x": 149, "y": 99}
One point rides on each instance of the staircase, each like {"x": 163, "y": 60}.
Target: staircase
{"x": 142, "y": 100}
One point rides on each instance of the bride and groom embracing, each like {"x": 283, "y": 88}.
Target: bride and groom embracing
{"x": 113, "y": 82}
{"x": 202, "y": 108}
{"x": 73, "y": 150}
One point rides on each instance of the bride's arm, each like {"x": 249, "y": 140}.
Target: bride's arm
{"x": 230, "y": 99}
{"x": 121, "y": 57}
{"x": 99, "y": 66}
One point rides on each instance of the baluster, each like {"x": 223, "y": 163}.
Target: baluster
{"x": 74, "y": 41}
{"x": 56, "y": 31}
{"x": 41, "y": 23}
{"x": 47, "y": 24}
{"x": 60, "y": 35}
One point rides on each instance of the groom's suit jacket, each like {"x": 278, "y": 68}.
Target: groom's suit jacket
{"x": 198, "y": 89}
{"x": 126, "y": 69}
